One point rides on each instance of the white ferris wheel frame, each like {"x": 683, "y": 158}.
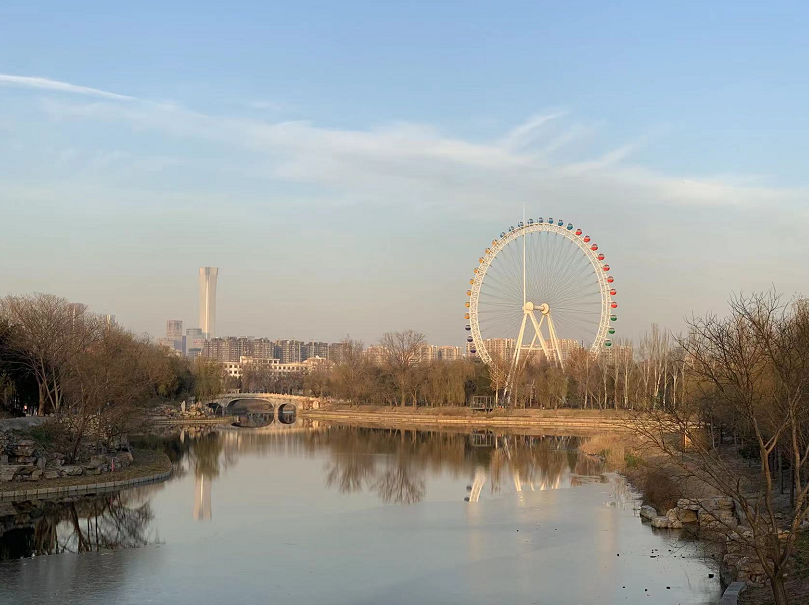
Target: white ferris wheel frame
{"x": 491, "y": 254}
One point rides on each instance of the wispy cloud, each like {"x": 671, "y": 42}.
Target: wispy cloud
{"x": 527, "y": 132}
{"x": 56, "y": 85}
{"x": 405, "y": 161}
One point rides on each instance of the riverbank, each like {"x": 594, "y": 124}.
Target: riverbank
{"x": 147, "y": 465}
{"x": 463, "y": 417}
{"x": 673, "y": 500}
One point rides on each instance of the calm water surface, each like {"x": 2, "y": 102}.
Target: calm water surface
{"x": 348, "y": 515}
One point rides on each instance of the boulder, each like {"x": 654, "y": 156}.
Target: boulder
{"x": 96, "y": 461}
{"x": 7, "y": 473}
{"x": 41, "y": 462}
{"x": 663, "y": 522}
{"x": 647, "y": 512}
{"x": 687, "y": 515}
{"x": 72, "y": 470}
{"x": 35, "y": 474}
{"x": 688, "y": 504}
{"x": 720, "y": 504}
{"x": 50, "y": 474}
{"x": 24, "y": 447}
{"x": 674, "y": 521}
{"x": 717, "y": 519}
{"x": 26, "y": 459}
{"x": 92, "y": 470}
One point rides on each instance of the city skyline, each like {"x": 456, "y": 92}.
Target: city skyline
{"x": 338, "y": 203}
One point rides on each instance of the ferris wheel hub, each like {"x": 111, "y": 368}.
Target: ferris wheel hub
{"x": 528, "y": 307}
{"x": 544, "y": 308}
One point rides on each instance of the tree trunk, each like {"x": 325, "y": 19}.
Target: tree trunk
{"x": 779, "y": 591}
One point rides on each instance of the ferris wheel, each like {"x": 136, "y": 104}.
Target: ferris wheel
{"x": 541, "y": 289}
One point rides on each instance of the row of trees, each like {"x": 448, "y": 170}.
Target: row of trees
{"x": 399, "y": 378}
{"x": 625, "y": 377}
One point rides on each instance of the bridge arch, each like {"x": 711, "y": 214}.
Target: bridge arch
{"x": 287, "y": 413}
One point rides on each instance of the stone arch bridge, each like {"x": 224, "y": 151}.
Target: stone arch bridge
{"x": 280, "y": 407}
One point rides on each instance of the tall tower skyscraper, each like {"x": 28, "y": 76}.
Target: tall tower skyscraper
{"x": 207, "y": 300}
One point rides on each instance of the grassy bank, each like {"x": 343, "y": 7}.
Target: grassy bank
{"x": 462, "y": 417}
{"x": 466, "y": 412}
{"x": 144, "y": 463}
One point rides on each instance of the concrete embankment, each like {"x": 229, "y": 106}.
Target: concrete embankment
{"x": 461, "y": 418}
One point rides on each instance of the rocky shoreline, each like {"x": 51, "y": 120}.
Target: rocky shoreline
{"x": 720, "y": 517}
{"x": 24, "y": 460}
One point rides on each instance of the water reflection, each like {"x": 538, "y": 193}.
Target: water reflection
{"x": 530, "y": 462}
{"x": 392, "y": 464}
{"x": 88, "y": 524}
{"x": 294, "y": 514}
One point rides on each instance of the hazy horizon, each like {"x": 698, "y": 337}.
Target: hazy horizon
{"x": 345, "y": 166}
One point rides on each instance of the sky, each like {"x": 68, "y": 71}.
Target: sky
{"x": 345, "y": 163}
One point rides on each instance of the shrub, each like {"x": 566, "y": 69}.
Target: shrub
{"x": 631, "y": 460}
{"x": 660, "y": 490}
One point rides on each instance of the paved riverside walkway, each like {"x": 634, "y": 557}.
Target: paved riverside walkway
{"x": 47, "y": 493}
{"x": 732, "y": 592}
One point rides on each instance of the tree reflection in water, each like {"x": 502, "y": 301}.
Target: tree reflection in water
{"x": 114, "y": 521}
{"x": 535, "y": 462}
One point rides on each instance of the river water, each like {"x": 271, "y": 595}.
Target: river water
{"x": 302, "y": 515}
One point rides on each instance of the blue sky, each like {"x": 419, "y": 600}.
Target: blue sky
{"x": 344, "y": 163}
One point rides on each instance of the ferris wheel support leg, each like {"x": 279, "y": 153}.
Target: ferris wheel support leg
{"x": 538, "y": 328}
{"x": 512, "y": 371}
{"x": 555, "y": 342}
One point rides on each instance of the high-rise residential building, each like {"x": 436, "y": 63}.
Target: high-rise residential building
{"x": 207, "y": 300}
{"x": 502, "y": 348}
{"x": 567, "y": 345}
{"x": 426, "y": 353}
{"x": 174, "y": 328}
{"x": 314, "y": 349}
{"x": 260, "y": 348}
{"x": 109, "y": 320}
{"x": 174, "y": 336}
{"x": 288, "y": 351}
{"x": 336, "y": 351}
{"x": 448, "y": 353}
{"x": 194, "y": 341}
{"x": 376, "y": 354}
{"x": 221, "y": 349}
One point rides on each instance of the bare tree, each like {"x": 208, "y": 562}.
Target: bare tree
{"x": 753, "y": 367}
{"x": 401, "y": 350}
{"x": 351, "y": 369}
{"x": 209, "y": 379}
{"x": 106, "y": 384}
{"x": 49, "y": 332}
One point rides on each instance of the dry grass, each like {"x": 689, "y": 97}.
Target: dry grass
{"x": 466, "y": 412}
{"x": 145, "y": 463}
